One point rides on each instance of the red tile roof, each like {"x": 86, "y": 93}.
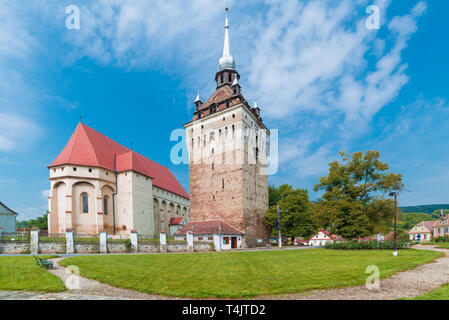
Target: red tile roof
{"x": 176, "y": 221}
{"x": 427, "y": 224}
{"x": 440, "y": 221}
{"x": 88, "y": 147}
{"x": 208, "y": 227}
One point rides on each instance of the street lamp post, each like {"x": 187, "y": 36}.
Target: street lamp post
{"x": 279, "y": 228}
{"x": 395, "y": 194}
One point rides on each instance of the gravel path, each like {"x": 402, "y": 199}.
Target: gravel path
{"x": 406, "y": 284}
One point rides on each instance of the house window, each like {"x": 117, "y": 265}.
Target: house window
{"x": 225, "y": 240}
{"x": 74, "y": 169}
{"x": 105, "y": 205}
{"x": 90, "y": 170}
{"x": 222, "y": 183}
{"x": 210, "y": 238}
{"x": 229, "y": 77}
{"x": 85, "y": 202}
{"x": 200, "y": 238}
{"x": 439, "y": 230}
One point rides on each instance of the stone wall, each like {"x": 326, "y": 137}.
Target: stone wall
{"x": 52, "y": 247}
{"x": 113, "y": 247}
{"x": 87, "y": 248}
{"x": 14, "y": 247}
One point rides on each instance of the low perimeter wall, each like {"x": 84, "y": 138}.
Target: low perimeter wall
{"x": 113, "y": 247}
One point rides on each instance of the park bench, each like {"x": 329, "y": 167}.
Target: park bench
{"x": 44, "y": 263}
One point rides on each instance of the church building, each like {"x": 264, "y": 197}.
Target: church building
{"x": 98, "y": 184}
{"x": 228, "y": 143}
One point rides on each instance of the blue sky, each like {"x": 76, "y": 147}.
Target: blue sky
{"x": 321, "y": 78}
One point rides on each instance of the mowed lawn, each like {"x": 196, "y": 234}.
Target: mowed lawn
{"x": 442, "y": 293}
{"x": 23, "y": 274}
{"x": 244, "y": 274}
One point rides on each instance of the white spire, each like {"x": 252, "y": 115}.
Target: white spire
{"x": 255, "y": 104}
{"x": 198, "y": 97}
{"x": 227, "y": 61}
{"x": 236, "y": 81}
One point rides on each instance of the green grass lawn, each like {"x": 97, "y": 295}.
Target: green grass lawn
{"x": 443, "y": 245}
{"x": 442, "y": 293}
{"x": 244, "y": 274}
{"x": 23, "y": 274}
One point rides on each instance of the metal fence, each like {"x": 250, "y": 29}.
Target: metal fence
{"x": 15, "y": 236}
{"x": 86, "y": 238}
{"x": 46, "y": 237}
{"x": 147, "y": 239}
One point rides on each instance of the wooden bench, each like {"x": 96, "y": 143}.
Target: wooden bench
{"x": 44, "y": 263}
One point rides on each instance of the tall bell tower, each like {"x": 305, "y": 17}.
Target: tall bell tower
{"x": 228, "y": 143}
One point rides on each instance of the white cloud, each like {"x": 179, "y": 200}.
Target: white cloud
{"x": 45, "y": 193}
{"x": 16, "y": 132}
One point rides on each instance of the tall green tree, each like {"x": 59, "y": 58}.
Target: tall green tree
{"x": 437, "y": 213}
{"x": 40, "y": 222}
{"x": 352, "y": 204}
{"x": 295, "y": 211}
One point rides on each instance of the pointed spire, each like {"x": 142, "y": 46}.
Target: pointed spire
{"x": 198, "y": 99}
{"x": 227, "y": 61}
{"x": 227, "y": 46}
{"x": 255, "y": 104}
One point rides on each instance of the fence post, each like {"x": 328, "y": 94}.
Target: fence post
{"x": 34, "y": 242}
{"x": 70, "y": 241}
{"x": 103, "y": 241}
{"x": 134, "y": 241}
{"x": 217, "y": 242}
{"x": 163, "y": 241}
{"x": 189, "y": 242}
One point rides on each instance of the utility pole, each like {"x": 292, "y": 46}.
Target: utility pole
{"x": 395, "y": 194}
{"x": 279, "y": 228}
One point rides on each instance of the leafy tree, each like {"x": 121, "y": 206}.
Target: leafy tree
{"x": 295, "y": 211}
{"x": 408, "y": 220}
{"x": 437, "y": 213}
{"x": 39, "y": 222}
{"x": 352, "y": 205}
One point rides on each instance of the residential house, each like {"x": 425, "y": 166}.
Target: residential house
{"x": 441, "y": 227}
{"x": 176, "y": 224}
{"x": 7, "y": 219}
{"x": 321, "y": 238}
{"x": 230, "y": 237}
{"x": 422, "y": 232}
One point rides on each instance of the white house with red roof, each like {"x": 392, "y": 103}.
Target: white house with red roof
{"x": 230, "y": 237}
{"x": 98, "y": 184}
{"x": 422, "y": 232}
{"x": 321, "y": 238}
{"x": 176, "y": 224}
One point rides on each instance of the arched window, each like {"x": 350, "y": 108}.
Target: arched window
{"x": 105, "y": 205}
{"x": 85, "y": 202}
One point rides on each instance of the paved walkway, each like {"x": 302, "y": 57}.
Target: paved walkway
{"x": 406, "y": 284}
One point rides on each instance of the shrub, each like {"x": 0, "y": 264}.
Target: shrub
{"x": 442, "y": 239}
{"x": 367, "y": 245}
{"x": 128, "y": 245}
